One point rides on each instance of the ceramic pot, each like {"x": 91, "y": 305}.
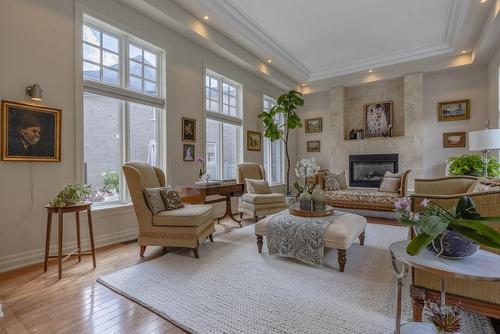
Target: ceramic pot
{"x": 305, "y": 201}
{"x": 318, "y": 199}
{"x": 290, "y": 200}
{"x": 453, "y": 245}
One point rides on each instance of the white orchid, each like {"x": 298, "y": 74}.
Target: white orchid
{"x": 306, "y": 168}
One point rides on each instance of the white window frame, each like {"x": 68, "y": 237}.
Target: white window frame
{"x": 224, "y": 118}
{"x": 120, "y": 92}
{"x": 268, "y": 149}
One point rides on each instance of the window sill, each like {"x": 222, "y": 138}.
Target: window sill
{"x": 118, "y": 208}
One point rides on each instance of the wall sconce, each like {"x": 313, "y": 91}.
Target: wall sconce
{"x": 35, "y": 92}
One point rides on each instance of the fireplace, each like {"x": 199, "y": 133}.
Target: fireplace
{"x": 367, "y": 170}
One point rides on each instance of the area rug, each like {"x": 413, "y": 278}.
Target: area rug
{"x": 233, "y": 289}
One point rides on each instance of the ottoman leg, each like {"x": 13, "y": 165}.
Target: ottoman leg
{"x": 259, "y": 243}
{"x": 362, "y": 238}
{"x": 341, "y": 259}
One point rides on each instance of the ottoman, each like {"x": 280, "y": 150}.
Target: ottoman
{"x": 340, "y": 234}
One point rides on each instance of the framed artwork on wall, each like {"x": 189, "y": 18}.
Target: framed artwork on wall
{"x": 188, "y": 152}
{"x": 454, "y": 110}
{"x": 254, "y": 141}
{"x": 377, "y": 119}
{"x": 314, "y": 125}
{"x": 313, "y": 146}
{"x": 454, "y": 139}
{"x": 30, "y": 133}
{"x": 188, "y": 129}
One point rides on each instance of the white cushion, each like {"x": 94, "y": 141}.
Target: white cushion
{"x": 263, "y": 198}
{"x": 189, "y": 215}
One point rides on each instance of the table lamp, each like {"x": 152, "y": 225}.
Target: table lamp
{"x": 484, "y": 141}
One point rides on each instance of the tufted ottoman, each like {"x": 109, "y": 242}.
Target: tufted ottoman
{"x": 340, "y": 234}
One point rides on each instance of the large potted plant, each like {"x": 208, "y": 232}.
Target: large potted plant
{"x": 472, "y": 164}
{"x": 287, "y": 105}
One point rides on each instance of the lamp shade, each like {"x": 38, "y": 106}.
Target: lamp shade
{"x": 487, "y": 139}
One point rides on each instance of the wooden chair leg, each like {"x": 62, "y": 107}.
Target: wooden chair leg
{"x": 341, "y": 259}
{"x": 362, "y": 239}
{"x": 195, "y": 252}
{"x": 211, "y": 237}
{"x": 47, "y": 241}
{"x": 260, "y": 242}
{"x": 241, "y": 215}
{"x": 143, "y": 249}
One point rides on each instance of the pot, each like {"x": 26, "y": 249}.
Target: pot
{"x": 453, "y": 245}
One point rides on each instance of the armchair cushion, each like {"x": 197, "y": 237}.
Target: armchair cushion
{"x": 257, "y": 186}
{"x": 189, "y": 215}
{"x": 263, "y": 198}
{"x": 154, "y": 199}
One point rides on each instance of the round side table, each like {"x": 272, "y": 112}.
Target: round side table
{"x": 61, "y": 210}
{"x": 483, "y": 266}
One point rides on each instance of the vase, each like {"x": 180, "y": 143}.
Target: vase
{"x": 452, "y": 245}
{"x": 318, "y": 199}
{"x": 290, "y": 200}
{"x": 305, "y": 201}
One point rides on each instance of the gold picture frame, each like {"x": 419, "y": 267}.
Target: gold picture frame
{"x": 314, "y": 125}
{"x": 254, "y": 141}
{"x": 30, "y": 132}
{"x": 313, "y": 146}
{"x": 458, "y": 110}
{"x": 454, "y": 139}
{"x": 188, "y": 129}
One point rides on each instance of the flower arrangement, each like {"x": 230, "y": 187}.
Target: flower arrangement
{"x": 444, "y": 318}
{"x": 305, "y": 169}
{"x": 432, "y": 223}
{"x": 72, "y": 193}
{"x": 199, "y": 161}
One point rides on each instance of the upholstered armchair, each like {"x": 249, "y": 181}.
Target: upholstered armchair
{"x": 475, "y": 296}
{"x": 184, "y": 227}
{"x": 257, "y": 205}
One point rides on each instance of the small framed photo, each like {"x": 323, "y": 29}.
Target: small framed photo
{"x": 188, "y": 129}
{"x": 313, "y": 146}
{"x": 454, "y": 139}
{"x": 314, "y": 125}
{"x": 188, "y": 152}
{"x": 377, "y": 119}
{"x": 454, "y": 110}
{"x": 254, "y": 141}
{"x": 30, "y": 133}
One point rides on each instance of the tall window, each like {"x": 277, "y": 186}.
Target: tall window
{"x": 122, "y": 107}
{"x": 274, "y": 151}
{"x": 223, "y": 125}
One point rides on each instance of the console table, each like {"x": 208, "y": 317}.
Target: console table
{"x": 197, "y": 194}
{"x": 480, "y": 266}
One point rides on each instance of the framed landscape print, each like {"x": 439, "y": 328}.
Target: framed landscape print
{"x": 314, "y": 125}
{"x": 377, "y": 119}
{"x": 454, "y": 110}
{"x": 254, "y": 141}
{"x": 454, "y": 139}
{"x": 30, "y": 133}
{"x": 188, "y": 129}
{"x": 188, "y": 152}
{"x": 313, "y": 146}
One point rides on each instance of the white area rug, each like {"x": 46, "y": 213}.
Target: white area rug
{"x": 233, "y": 289}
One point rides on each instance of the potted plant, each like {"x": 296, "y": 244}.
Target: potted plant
{"x": 444, "y": 318}
{"x": 472, "y": 164}
{"x": 287, "y": 105}
{"x": 71, "y": 194}
{"x": 449, "y": 233}
{"x": 305, "y": 169}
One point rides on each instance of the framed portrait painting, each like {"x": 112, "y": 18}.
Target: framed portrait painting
{"x": 454, "y": 139}
{"x": 254, "y": 141}
{"x": 454, "y": 110}
{"x": 188, "y": 152}
{"x": 377, "y": 119}
{"x": 314, "y": 125}
{"x": 188, "y": 129}
{"x": 30, "y": 133}
{"x": 313, "y": 146}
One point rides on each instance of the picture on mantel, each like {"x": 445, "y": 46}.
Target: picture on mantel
{"x": 377, "y": 118}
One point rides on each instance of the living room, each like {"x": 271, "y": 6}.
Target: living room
{"x": 179, "y": 142}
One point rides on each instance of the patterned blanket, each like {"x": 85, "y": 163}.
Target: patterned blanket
{"x": 298, "y": 237}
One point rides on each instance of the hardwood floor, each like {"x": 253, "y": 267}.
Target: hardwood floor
{"x": 36, "y": 302}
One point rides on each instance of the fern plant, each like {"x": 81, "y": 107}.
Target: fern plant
{"x": 72, "y": 193}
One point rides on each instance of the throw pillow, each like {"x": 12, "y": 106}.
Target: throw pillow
{"x": 340, "y": 178}
{"x": 331, "y": 182}
{"x": 483, "y": 185}
{"x": 171, "y": 198}
{"x": 255, "y": 186}
{"x": 154, "y": 200}
{"x": 390, "y": 184}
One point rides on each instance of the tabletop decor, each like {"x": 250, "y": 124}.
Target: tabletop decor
{"x": 70, "y": 194}
{"x": 305, "y": 169}
{"x": 452, "y": 234}
{"x": 202, "y": 176}
{"x": 445, "y": 319}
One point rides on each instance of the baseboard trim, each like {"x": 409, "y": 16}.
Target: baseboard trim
{"x": 19, "y": 260}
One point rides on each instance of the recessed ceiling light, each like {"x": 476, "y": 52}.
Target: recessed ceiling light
{"x": 483, "y": 1}
{"x": 370, "y": 71}
{"x": 205, "y": 17}
{"x": 269, "y": 61}
{"x": 303, "y": 85}
{"x": 464, "y": 51}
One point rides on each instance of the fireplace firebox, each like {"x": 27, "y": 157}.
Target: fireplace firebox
{"x": 367, "y": 170}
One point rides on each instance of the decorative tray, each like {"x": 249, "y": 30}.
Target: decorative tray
{"x": 295, "y": 210}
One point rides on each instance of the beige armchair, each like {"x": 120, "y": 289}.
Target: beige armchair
{"x": 475, "y": 296}
{"x": 183, "y": 227}
{"x": 257, "y": 205}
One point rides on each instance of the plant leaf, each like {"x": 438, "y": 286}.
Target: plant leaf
{"x": 479, "y": 229}
{"x": 432, "y": 225}
{"x": 418, "y": 243}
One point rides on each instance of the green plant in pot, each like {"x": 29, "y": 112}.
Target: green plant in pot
{"x": 452, "y": 233}
{"x": 70, "y": 194}
{"x": 473, "y": 164}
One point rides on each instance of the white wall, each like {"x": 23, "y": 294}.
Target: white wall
{"x": 466, "y": 82}
{"x": 494, "y": 90}
{"x": 38, "y": 43}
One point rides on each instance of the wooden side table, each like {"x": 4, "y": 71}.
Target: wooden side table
{"x": 76, "y": 208}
